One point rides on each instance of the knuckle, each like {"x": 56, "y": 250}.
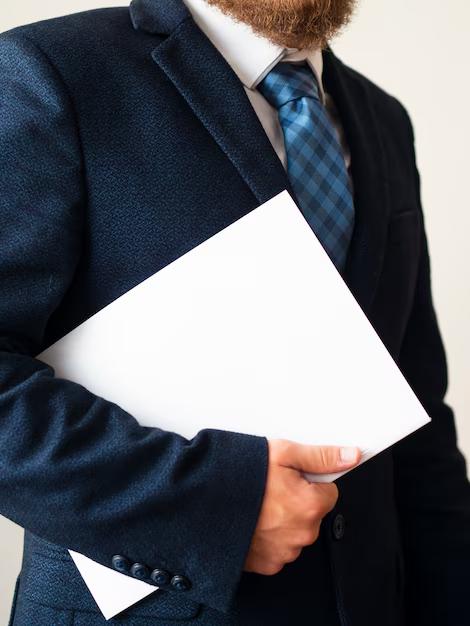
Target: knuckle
{"x": 334, "y": 490}
{"x": 315, "y": 534}
{"x": 324, "y": 499}
{"x": 309, "y": 514}
{"x": 312, "y": 513}
{"x": 315, "y": 513}
{"x": 310, "y": 535}
{"x": 326, "y": 508}
{"x": 331, "y": 496}
{"x": 292, "y": 555}
{"x": 271, "y": 569}
{"x": 329, "y": 493}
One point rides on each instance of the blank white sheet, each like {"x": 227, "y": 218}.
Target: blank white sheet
{"x": 252, "y": 331}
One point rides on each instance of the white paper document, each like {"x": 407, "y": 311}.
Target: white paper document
{"x": 252, "y": 331}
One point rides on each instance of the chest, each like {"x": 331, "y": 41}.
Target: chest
{"x": 158, "y": 183}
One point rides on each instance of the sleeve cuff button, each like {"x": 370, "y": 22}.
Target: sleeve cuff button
{"x": 160, "y": 577}
{"x": 180, "y": 583}
{"x": 120, "y": 563}
{"x": 140, "y": 571}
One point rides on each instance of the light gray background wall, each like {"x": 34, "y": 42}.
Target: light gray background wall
{"x": 418, "y": 50}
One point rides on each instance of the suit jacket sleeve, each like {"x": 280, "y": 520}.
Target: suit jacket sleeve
{"x": 76, "y": 469}
{"x": 432, "y": 489}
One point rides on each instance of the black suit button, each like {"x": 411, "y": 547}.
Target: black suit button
{"x": 120, "y": 563}
{"x": 140, "y": 571}
{"x": 180, "y": 583}
{"x": 339, "y": 527}
{"x": 160, "y": 577}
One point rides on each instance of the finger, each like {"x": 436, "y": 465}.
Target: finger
{"x": 308, "y": 536}
{"x": 325, "y": 496}
{"x": 319, "y": 459}
{"x": 269, "y": 568}
{"x": 292, "y": 554}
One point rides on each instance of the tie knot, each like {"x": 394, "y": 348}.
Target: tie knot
{"x": 287, "y": 82}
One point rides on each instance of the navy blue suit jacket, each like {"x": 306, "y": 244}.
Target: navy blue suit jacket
{"x": 125, "y": 141}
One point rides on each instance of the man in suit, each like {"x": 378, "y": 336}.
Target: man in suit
{"x": 127, "y": 138}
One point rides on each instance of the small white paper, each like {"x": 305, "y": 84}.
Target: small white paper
{"x": 252, "y": 331}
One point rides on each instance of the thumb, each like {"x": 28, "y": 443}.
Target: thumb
{"x": 319, "y": 459}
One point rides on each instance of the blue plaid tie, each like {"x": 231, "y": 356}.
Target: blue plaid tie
{"x": 315, "y": 161}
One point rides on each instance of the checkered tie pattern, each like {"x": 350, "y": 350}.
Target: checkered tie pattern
{"x": 315, "y": 160}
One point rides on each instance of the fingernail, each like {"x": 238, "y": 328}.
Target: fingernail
{"x": 347, "y": 455}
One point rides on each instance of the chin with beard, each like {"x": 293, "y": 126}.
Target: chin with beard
{"x": 291, "y": 23}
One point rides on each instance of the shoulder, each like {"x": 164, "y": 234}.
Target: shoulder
{"x": 386, "y": 105}
{"x": 388, "y": 108}
{"x": 74, "y": 41}
{"x": 71, "y": 28}
{"x": 389, "y": 114}
{"x": 81, "y": 49}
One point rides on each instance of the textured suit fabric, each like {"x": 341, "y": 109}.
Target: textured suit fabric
{"x": 115, "y": 160}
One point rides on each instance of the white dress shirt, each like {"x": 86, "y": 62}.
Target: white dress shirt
{"x": 251, "y": 57}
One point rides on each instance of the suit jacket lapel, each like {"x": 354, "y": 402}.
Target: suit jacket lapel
{"x": 218, "y": 99}
{"x": 369, "y": 173}
{"x": 214, "y": 93}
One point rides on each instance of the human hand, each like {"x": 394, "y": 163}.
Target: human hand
{"x": 293, "y": 508}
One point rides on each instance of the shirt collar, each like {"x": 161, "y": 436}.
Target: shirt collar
{"x": 250, "y": 56}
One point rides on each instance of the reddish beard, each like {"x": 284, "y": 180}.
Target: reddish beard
{"x": 291, "y": 23}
